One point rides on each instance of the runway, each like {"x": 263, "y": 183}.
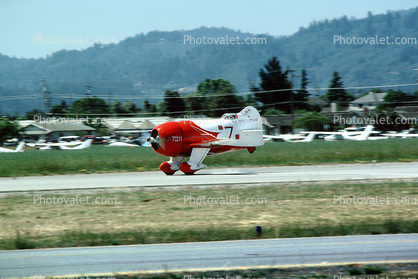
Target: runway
{"x": 212, "y": 176}
{"x": 223, "y": 255}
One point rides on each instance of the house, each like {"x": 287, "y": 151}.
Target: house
{"x": 37, "y": 130}
{"x": 345, "y": 118}
{"x": 279, "y": 124}
{"x": 369, "y": 101}
{"x": 134, "y": 126}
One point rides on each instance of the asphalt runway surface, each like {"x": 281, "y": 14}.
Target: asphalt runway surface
{"x": 205, "y": 256}
{"x": 211, "y": 176}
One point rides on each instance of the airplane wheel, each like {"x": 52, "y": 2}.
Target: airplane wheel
{"x": 166, "y": 168}
{"x": 185, "y": 167}
{"x": 251, "y": 149}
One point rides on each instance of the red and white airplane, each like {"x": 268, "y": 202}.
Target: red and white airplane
{"x": 198, "y": 138}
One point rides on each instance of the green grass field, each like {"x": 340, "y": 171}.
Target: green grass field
{"x": 108, "y": 159}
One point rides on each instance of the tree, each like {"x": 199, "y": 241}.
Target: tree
{"x": 89, "y": 106}
{"x": 302, "y": 95}
{"x": 130, "y": 107}
{"x": 8, "y": 129}
{"x": 222, "y": 101}
{"x": 196, "y": 103}
{"x": 312, "y": 121}
{"x": 161, "y": 108}
{"x": 209, "y": 86}
{"x": 214, "y": 97}
{"x": 275, "y": 87}
{"x": 250, "y": 100}
{"x": 390, "y": 122}
{"x": 369, "y": 23}
{"x": 59, "y": 110}
{"x": 336, "y": 92}
{"x": 396, "y": 98}
{"x": 150, "y": 108}
{"x": 126, "y": 109}
{"x": 272, "y": 111}
{"x": 30, "y": 115}
{"x": 174, "y": 104}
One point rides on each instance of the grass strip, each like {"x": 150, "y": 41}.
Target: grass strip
{"x": 114, "y": 159}
{"x": 149, "y": 236}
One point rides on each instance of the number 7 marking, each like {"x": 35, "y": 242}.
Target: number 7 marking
{"x": 229, "y": 127}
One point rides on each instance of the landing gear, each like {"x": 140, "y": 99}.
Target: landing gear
{"x": 195, "y": 162}
{"x": 170, "y": 167}
{"x": 251, "y": 149}
{"x": 190, "y": 167}
{"x": 186, "y": 168}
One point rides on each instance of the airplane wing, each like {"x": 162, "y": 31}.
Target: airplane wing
{"x": 287, "y": 138}
{"x": 86, "y": 144}
{"x": 52, "y": 144}
{"x": 19, "y": 148}
{"x": 402, "y": 135}
{"x": 333, "y": 133}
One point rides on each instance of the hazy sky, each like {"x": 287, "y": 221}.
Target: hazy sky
{"x": 24, "y": 23}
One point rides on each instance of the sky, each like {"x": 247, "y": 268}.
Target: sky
{"x": 28, "y": 28}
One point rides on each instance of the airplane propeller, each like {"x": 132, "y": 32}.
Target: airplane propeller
{"x": 154, "y": 139}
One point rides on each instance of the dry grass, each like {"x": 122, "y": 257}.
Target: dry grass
{"x": 162, "y": 210}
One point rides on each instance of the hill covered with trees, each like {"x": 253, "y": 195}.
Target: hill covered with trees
{"x": 144, "y": 66}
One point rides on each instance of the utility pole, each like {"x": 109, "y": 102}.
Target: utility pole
{"x": 69, "y": 98}
{"x": 109, "y": 96}
{"x": 88, "y": 90}
{"x": 291, "y": 75}
{"x": 46, "y": 98}
{"x": 251, "y": 83}
{"x": 416, "y": 69}
{"x": 46, "y": 103}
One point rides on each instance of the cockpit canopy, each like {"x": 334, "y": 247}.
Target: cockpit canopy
{"x": 230, "y": 116}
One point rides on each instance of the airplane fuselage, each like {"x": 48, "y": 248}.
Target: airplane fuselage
{"x": 183, "y": 138}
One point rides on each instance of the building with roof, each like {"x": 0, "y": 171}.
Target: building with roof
{"x": 134, "y": 125}
{"x": 369, "y": 101}
{"x": 39, "y": 130}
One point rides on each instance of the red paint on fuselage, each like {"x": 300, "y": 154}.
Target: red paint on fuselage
{"x": 177, "y": 137}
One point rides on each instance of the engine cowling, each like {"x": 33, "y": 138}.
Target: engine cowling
{"x": 167, "y": 139}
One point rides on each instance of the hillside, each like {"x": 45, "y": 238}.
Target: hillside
{"x": 143, "y": 66}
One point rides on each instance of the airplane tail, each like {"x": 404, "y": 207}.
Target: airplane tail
{"x": 366, "y": 133}
{"x": 310, "y": 137}
{"x": 20, "y": 147}
{"x": 85, "y": 144}
{"x": 252, "y": 132}
{"x": 363, "y": 136}
{"x": 251, "y": 117}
